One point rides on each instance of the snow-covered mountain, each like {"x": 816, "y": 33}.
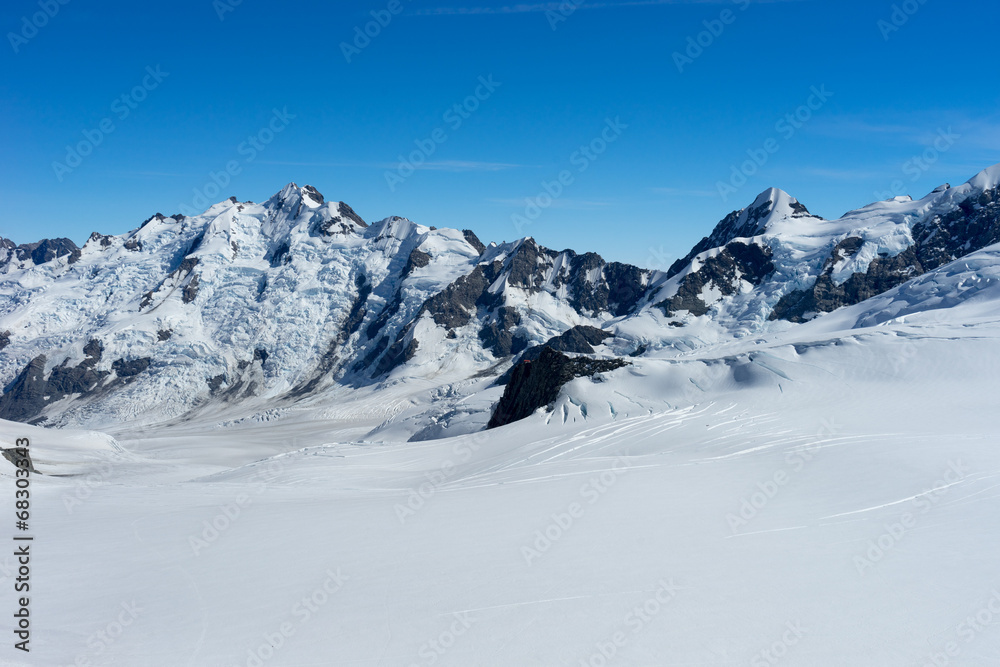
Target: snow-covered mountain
{"x": 252, "y": 309}
{"x": 290, "y": 397}
{"x": 274, "y": 302}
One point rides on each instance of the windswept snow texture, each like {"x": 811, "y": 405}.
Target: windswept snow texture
{"x": 829, "y": 494}
{"x": 784, "y": 450}
{"x": 254, "y": 307}
{"x": 251, "y": 310}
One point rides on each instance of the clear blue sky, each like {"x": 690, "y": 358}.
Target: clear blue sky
{"x": 647, "y": 198}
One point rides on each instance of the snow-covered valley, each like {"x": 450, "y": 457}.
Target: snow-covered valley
{"x": 747, "y": 490}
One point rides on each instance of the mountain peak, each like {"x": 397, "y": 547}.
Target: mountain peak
{"x": 778, "y": 204}
{"x": 307, "y": 195}
{"x": 987, "y": 179}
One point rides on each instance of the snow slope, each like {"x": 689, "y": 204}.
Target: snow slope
{"x": 822, "y": 495}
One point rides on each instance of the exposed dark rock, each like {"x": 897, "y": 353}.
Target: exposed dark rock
{"x": 736, "y": 262}
{"x": 417, "y": 260}
{"x": 260, "y": 354}
{"x": 375, "y": 328}
{"x": 473, "y": 240}
{"x": 159, "y": 217}
{"x": 94, "y": 350}
{"x": 497, "y": 334}
{"x": 578, "y": 340}
{"x": 29, "y": 393}
{"x": 215, "y": 382}
{"x": 380, "y": 345}
{"x": 536, "y": 384}
{"x": 20, "y": 458}
{"x": 280, "y": 255}
{"x": 618, "y": 290}
{"x": 342, "y": 221}
{"x": 190, "y": 291}
{"x": 974, "y": 225}
{"x": 937, "y": 241}
{"x": 595, "y": 286}
{"x": 523, "y": 266}
{"x": 313, "y": 194}
{"x": 357, "y": 313}
{"x": 825, "y": 296}
{"x": 103, "y": 239}
{"x": 133, "y": 244}
{"x": 349, "y": 213}
{"x": 130, "y": 368}
{"x": 38, "y": 252}
{"x": 397, "y": 355}
{"x": 4, "y": 339}
{"x": 24, "y": 398}
{"x": 733, "y": 226}
{"x": 164, "y": 334}
{"x": 455, "y": 306}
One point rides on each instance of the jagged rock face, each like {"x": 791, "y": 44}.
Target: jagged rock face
{"x": 282, "y": 301}
{"x": 34, "y": 389}
{"x": 578, "y": 340}
{"x": 497, "y": 334}
{"x": 536, "y": 384}
{"x": 474, "y": 241}
{"x": 975, "y": 224}
{"x": 938, "y": 239}
{"x": 745, "y": 223}
{"x": 725, "y": 272}
{"x": 825, "y": 296}
{"x": 15, "y": 257}
{"x": 279, "y": 302}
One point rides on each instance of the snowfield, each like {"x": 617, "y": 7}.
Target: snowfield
{"x": 824, "y": 494}
{"x": 288, "y": 461}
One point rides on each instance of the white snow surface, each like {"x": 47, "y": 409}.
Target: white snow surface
{"x": 744, "y": 493}
{"x": 824, "y": 495}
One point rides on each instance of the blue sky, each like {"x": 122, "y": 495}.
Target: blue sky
{"x": 886, "y": 97}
